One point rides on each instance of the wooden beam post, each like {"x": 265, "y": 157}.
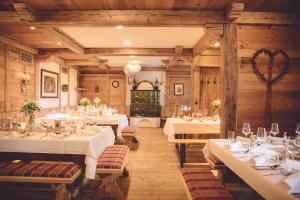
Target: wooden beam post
{"x": 233, "y": 12}
{"x": 25, "y": 12}
{"x": 7, "y": 82}
{"x": 229, "y": 73}
{"x": 18, "y": 45}
{"x": 206, "y": 41}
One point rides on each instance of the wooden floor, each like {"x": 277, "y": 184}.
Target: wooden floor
{"x": 153, "y": 170}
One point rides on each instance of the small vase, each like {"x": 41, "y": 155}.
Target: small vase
{"x": 30, "y": 123}
{"x": 84, "y": 108}
{"x": 216, "y": 113}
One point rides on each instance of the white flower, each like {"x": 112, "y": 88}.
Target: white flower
{"x": 97, "y": 100}
{"x": 85, "y": 102}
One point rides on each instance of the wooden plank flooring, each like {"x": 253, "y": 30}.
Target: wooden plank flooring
{"x": 153, "y": 170}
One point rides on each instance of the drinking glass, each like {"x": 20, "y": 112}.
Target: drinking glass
{"x": 231, "y": 136}
{"x": 199, "y": 114}
{"x": 261, "y": 135}
{"x": 298, "y": 128}
{"x": 274, "y": 129}
{"x": 246, "y": 129}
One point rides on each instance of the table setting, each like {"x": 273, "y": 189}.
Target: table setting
{"x": 265, "y": 162}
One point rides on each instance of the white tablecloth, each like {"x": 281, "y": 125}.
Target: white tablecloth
{"x": 89, "y": 145}
{"x": 269, "y": 187}
{"x": 180, "y": 126}
{"x": 115, "y": 119}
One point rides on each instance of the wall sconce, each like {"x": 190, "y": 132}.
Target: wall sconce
{"x": 24, "y": 82}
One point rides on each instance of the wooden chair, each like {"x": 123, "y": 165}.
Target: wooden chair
{"x": 110, "y": 166}
{"x": 129, "y": 136}
{"x": 57, "y": 174}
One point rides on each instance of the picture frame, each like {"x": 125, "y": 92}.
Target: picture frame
{"x": 178, "y": 89}
{"x": 115, "y": 84}
{"x": 49, "y": 84}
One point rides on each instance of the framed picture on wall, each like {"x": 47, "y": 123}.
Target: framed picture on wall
{"x": 49, "y": 84}
{"x": 178, "y": 89}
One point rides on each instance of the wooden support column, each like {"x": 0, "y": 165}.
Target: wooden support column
{"x": 229, "y": 73}
{"x": 196, "y": 85}
{"x": 59, "y": 85}
{"x": 7, "y": 82}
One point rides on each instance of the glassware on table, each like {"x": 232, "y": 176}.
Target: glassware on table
{"x": 274, "y": 129}
{"x": 246, "y": 129}
{"x": 261, "y": 135}
{"x": 231, "y": 136}
{"x": 298, "y": 128}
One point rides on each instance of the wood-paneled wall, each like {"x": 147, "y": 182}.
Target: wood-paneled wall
{"x": 12, "y": 100}
{"x": 107, "y": 93}
{"x": 172, "y": 100}
{"x": 251, "y": 91}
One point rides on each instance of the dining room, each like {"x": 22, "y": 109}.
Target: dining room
{"x": 149, "y": 99}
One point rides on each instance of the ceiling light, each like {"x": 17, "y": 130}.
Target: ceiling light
{"x": 132, "y": 67}
{"x": 32, "y": 27}
{"x": 216, "y": 44}
{"x": 58, "y": 43}
{"x": 119, "y": 27}
{"x": 126, "y": 42}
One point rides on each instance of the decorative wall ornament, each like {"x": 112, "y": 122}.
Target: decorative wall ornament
{"x": 97, "y": 89}
{"x": 270, "y": 66}
{"x": 49, "y": 83}
{"x": 64, "y": 87}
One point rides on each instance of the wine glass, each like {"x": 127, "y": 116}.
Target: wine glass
{"x": 298, "y": 128}
{"x": 261, "y": 135}
{"x": 274, "y": 129}
{"x": 246, "y": 129}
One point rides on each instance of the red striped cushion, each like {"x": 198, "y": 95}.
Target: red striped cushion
{"x": 39, "y": 169}
{"x": 129, "y": 129}
{"x": 112, "y": 157}
{"x": 203, "y": 185}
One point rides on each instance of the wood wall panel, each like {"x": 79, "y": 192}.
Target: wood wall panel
{"x": 108, "y": 94}
{"x": 171, "y": 99}
{"x": 251, "y": 91}
{"x": 2, "y": 80}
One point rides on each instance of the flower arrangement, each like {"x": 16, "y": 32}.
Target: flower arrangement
{"x": 85, "y": 102}
{"x": 28, "y": 108}
{"x": 97, "y": 100}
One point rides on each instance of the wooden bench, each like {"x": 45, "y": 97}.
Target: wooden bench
{"x": 182, "y": 146}
{"x": 110, "y": 166}
{"x": 201, "y": 184}
{"x": 57, "y": 174}
{"x": 128, "y": 134}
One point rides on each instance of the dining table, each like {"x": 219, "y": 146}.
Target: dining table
{"x": 89, "y": 142}
{"x": 178, "y": 129}
{"x": 258, "y": 167}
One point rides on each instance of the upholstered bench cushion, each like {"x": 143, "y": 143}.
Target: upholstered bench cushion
{"x": 202, "y": 184}
{"x": 129, "y": 129}
{"x": 112, "y": 157}
{"x": 39, "y": 169}
{"x": 215, "y": 160}
{"x": 128, "y": 134}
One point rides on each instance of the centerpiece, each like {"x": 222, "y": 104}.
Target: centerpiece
{"x": 85, "y": 102}
{"x": 215, "y": 104}
{"x": 28, "y": 108}
{"x": 97, "y": 101}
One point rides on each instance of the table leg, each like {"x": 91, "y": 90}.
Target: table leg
{"x": 182, "y": 148}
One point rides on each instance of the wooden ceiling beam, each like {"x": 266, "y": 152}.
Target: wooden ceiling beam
{"x": 116, "y": 17}
{"x": 18, "y": 45}
{"x": 119, "y": 52}
{"x": 83, "y": 62}
{"x": 51, "y": 58}
{"x": 64, "y": 39}
{"x": 205, "y": 42}
{"x": 268, "y": 18}
{"x": 151, "y": 69}
{"x": 233, "y": 12}
{"x": 25, "y": 12}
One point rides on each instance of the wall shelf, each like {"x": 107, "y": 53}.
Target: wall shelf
{"x": 81, "y": 89}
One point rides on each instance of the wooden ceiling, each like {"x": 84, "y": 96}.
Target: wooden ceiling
{"x": 250, "y": 5}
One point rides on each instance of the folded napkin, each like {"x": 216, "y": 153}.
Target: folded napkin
{"x": 293, "y": 181}
{"x": 265, "y": 161}
{"x": 242, "y": 139}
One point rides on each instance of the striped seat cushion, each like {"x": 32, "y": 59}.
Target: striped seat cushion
{"x": 128, "y": 134}
{"x": 203, "y": 185}
{"x": 112, "y": 157}
{"x": 215, "y": 160}
{"x": 129, "y": 129}
{"x": 39, "y": 169}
